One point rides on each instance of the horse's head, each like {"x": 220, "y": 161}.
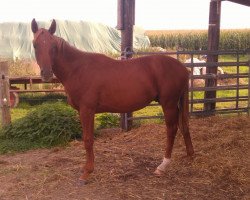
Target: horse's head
{"x": 45, "y": 49}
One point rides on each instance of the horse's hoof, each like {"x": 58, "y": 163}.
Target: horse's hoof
{"x": 81, "y": 182}
{"x": 158, "y": 172}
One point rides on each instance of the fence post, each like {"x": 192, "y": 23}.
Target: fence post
{"x": 125, "y": 23}
{"x": 248, "y": 53}
{"x": 213, "y": 45}
{"x": 4, "y": 94}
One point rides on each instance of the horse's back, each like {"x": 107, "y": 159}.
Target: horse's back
{"x": 165, "y": 69}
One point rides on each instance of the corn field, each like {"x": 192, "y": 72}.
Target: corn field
{"x": 197, "y": 39}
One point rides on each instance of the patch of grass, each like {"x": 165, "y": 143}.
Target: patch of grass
{"x": 46, "y": 125}
{"x": 37, "y": 99}
{"x": 8, "y": 145}
{"x": 107, "y": 120}
{"x": 148, "y": 111}
{"x": 18, "y": 113}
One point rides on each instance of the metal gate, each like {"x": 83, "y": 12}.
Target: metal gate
{"x": 231, "y": 88}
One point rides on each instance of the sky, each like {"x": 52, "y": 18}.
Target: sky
{"x": 150, "y": 14}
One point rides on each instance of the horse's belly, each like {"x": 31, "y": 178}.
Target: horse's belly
{"x": 119, "y": 108}
{"x": 125, "y": 102}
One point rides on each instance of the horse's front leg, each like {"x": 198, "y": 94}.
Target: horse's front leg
{"x": 87, "y": 121}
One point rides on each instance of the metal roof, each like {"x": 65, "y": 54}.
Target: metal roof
{"x": 242, "y": 2}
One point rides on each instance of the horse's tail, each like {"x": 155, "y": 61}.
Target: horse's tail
{"x": 184, "y": 120}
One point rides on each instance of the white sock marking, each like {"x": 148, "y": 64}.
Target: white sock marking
{"x": 162, "y": 167}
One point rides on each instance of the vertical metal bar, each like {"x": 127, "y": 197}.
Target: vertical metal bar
{"x": 192, "y": 83}
{"x": 238, "y": 81}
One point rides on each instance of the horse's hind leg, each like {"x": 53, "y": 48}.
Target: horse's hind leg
{"x": 171, "y": 119}
{"x": 188, "y": 141}
{"x": 87, "y": 121}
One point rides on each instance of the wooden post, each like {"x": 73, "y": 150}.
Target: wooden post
{"x": 213, "y": 45}
{"x": 125, "y": 23}
{"x": 4, "y": 94}
{"x": 248, "y": 53}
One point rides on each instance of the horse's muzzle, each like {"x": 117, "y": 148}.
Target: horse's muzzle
{"x": 47, "y": 75}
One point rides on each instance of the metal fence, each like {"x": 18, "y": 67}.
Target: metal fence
{"x": 232, "y": 87}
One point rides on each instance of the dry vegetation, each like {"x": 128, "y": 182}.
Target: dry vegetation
{"x": 125, "y": 162}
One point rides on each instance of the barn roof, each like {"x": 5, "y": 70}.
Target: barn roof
{"x": 242, "y": 2}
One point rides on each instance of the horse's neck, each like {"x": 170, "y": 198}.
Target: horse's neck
{"x": 65, "y": 61}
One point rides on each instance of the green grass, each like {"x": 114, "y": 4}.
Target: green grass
{"x": 46, "y": 125}
{"x": 16, "y": 145}
{"x": 20, "y": 112}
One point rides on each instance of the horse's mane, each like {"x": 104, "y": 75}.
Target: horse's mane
{"x": 68, "y": 49}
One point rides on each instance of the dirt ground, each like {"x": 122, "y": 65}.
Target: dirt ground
{"x": 125, "y": 162}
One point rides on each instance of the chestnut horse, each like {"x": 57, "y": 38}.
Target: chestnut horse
{"x": 95, "y": 83}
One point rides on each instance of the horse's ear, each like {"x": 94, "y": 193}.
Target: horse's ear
{"x": 52, "y": 28}
{"x": 34, "y": 26}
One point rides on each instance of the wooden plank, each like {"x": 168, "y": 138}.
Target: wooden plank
{"x": 39, "y": 90}
{"x": 28, "y": 79}
{"x": 4, "y": 94}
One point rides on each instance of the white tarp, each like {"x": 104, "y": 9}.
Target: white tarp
{"x": 16, "y": 38}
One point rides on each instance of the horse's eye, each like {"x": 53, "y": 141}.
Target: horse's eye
{"x": 35, "y": 46}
